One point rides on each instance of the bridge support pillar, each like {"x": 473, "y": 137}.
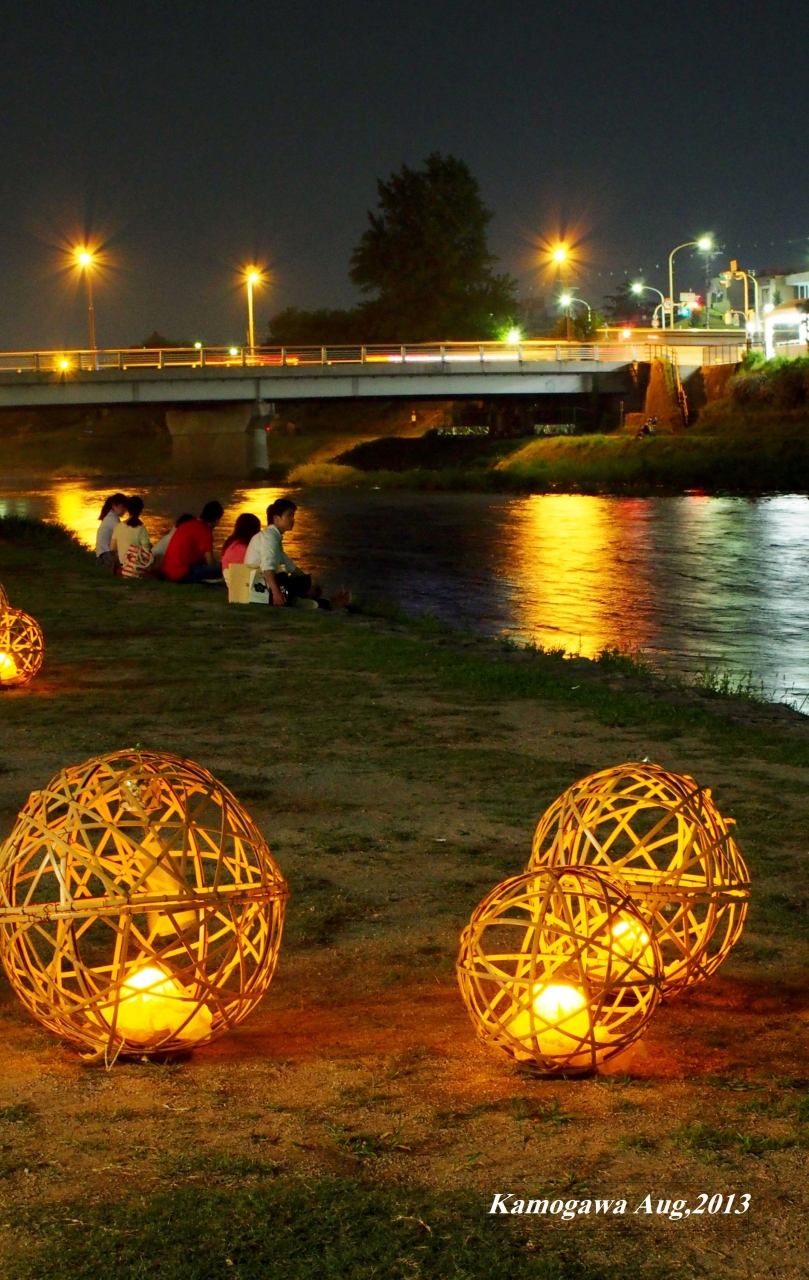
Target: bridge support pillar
{"x": 226, "y": 439}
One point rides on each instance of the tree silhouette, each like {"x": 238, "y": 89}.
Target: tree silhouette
{"x": 425, "y": 256}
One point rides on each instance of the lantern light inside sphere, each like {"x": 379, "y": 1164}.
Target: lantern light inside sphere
{"x": 152, "y": 1004}
{"x": 21, "y": 647}
{"x": 662, "y": 837}
{"x": 140, "y": 907}
{"x": 558, "y": 970}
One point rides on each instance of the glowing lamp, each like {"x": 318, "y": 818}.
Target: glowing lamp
{"x": 21, "y": 647}
{"x": 64, "y": 364}
{"x": 8, "y": 669}
{"x": 234, "y": 351}
{"x": 151, "y": 1004}
{"x": 140, "y": 908}
{"x": 560, "y": 253}
{"x": 660, "y": 836}
{"x": 558, "y": 970}
{"x": 705, "y": 243}
{"x": 637, "y": 288}
{"x": 566, "y": 299}
{"x": 559, "y": 1017}
{"x": 514, "y": 336}
{"x": 626, "y": 333}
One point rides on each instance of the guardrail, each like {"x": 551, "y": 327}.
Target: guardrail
{"x": 379, "y": 357}
{"x": 726, "y": 353}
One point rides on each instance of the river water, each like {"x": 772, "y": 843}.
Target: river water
{"x": 692, "y": 581}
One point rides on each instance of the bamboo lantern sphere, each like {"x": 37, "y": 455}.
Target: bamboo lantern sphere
{"x": 662, "y": 837}
{"x": 140, "y": 907}
{"x": 21, "y": 647}
{"x": 558, "y": 969}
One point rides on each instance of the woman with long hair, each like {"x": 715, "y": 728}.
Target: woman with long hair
{"x": 114, "y": 507}
{"x": 131, "y": 544}
{"x": 233, "y": 552}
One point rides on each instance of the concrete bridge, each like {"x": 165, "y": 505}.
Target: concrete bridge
{"x": 210, "y": 376}
{"x": 223, "y": 391}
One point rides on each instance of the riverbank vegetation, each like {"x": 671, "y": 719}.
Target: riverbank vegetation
{"x": 750, "y": 452}
{"x": 353, "y": 1125}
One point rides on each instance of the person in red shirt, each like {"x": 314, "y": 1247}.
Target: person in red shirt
{"x": 189, "y": 556}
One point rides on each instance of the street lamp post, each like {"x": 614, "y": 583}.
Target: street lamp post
{"x": 567, "y": 300}
{"x": 85, "y": 262}
{"x": 559, "y": 255}
{"x": 704, "y": 243}
{"x": 639, "y": 288}
{"x": 252, "y": 276}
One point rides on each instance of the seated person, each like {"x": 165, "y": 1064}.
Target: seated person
{"x": 114, "y": 507}
{"x": 189, "y": 557}
{"x": 159, "y": 548}
{"x": 233, "y": 552}
{"x": 286, "y": 582}
{"x": 130, "y": 542}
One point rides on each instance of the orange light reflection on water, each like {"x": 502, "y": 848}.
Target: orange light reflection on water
{"x": 581, "y": 556}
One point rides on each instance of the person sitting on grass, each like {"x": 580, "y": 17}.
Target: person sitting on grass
{"x": 286, "y": 582}
{"x": 233, "y": 552}
{"x": 130, "y": 542}
{"x": 189, "y": 557}
{"x": 114, "y": 507}
{"x": 159, "y": 548}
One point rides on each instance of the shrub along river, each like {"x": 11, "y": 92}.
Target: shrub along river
{"x": 695, "y": 582}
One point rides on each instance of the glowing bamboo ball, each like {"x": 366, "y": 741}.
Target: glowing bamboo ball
{"x": 140, "y": 907}
{"x": 21, "y": 647}
{"x": 558, "y": 969}
{"x": 662, "y": 837}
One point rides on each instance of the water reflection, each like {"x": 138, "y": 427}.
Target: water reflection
{"x": 579, "y": 571}
{"x": 687, "y": 579}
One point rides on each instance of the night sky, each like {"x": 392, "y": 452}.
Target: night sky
{"x": 190, "y": 138}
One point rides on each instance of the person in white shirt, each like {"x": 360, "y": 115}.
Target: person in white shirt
{"x": 159, "y": 548}
{"x": 286, "y": 582}
{"x": 111, "y": 512}
{"x": 131, "y": 544}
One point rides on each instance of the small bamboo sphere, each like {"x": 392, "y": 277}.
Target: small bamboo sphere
{"x": 558, "y": 969}
{"x": 662, "y": 837}
{"x": 140, "y": 907}
{"x": 21, "y": 647}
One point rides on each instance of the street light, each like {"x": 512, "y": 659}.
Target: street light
{"x": 560, "y": 254}
{"x": 252, "y": 277}
{"x": 567, "y": 299}
{"x": 85, "y": 262}
{"x": 704, "y": 244}
{"x": 638, "y": 288}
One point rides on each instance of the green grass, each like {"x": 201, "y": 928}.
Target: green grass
{"x": 319, "y": 1229}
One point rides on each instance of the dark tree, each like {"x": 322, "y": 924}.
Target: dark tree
{"x": 158, "y": 339}
{"x": 626, "y": 307}
{"x": 293, "y": 327}
{"x": 426, "y": 258}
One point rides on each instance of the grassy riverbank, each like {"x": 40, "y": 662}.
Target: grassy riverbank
{"x": 353, "y": 1126}
{"x": 731, "y": 449}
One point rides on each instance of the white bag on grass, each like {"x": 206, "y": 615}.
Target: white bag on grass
{"x": 246, "y": 585}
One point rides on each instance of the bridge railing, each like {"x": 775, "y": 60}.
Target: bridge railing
{"x": 377, "y": 356}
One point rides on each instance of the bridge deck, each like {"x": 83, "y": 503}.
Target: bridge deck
{"x": 199, "y": 375}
